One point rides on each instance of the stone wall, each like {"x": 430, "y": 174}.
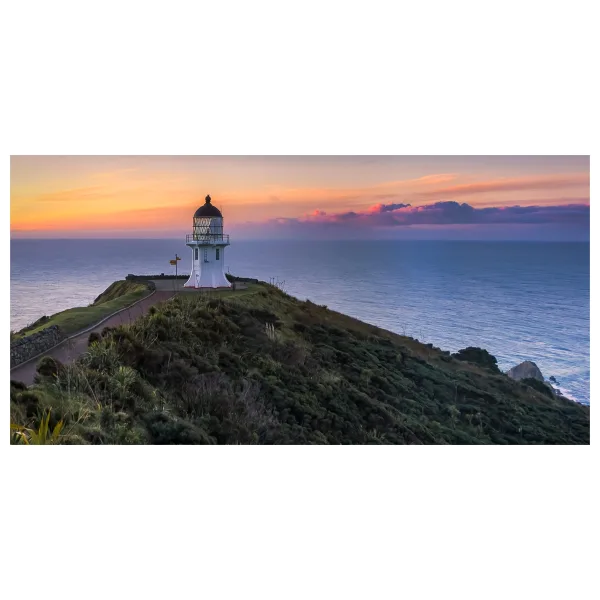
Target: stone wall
{"x": 145, "y": 278}
{"x": 32, "y": 345}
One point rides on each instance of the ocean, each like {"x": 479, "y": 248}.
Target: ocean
{"x": 519, "y": 300}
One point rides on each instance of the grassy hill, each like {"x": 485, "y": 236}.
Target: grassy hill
{"x": 119, "y": 290}
{"x": 265, "y": 368}
{"x": 118, "y": 295}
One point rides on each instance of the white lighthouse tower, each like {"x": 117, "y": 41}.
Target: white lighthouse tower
{"x": 208, "y": 248}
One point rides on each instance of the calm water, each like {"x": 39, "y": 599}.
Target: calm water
{"x": 520, "y": 301}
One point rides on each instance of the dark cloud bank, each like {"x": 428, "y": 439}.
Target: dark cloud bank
{"x": 453, "y": 213}
{"x": 573, "y": 218}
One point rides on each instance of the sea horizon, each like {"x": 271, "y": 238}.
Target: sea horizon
{"x": 317, "y": 239}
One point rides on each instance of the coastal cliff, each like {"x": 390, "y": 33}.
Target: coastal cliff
{"x": 261, "y": 367}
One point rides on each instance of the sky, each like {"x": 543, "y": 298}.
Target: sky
{"x": 304, "y": 197}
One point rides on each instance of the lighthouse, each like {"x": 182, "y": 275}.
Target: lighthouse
{"x": 207, "y": 242}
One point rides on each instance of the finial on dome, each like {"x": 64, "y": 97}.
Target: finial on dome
{"x": 207, "y": 199}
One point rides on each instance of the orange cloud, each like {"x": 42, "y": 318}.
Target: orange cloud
{"x": 425, "y": 180}
{"x": 70, "y": 195}
{"x": 549, "y": 182}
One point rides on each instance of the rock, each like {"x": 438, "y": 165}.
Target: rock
{"x": 526, "y": 370}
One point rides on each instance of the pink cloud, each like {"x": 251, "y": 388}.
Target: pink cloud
{"x": 381, "y": 208}
{"x": 442, "y": 213}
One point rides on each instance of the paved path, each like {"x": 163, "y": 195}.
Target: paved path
{"x": 72, "y": 348}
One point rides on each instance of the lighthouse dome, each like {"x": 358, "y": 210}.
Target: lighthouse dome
{"x": 207, "y": 210}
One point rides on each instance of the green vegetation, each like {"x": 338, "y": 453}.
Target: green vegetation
{"x": 538, "y": 385}
{"x": 478, "y": 356}
{"x": 43, "y": 435}
{"x": 119, "y": 295}
{"x": 120, "y": 289}
{"x": 250, "y": 289}
{"x": 261, "y": 367}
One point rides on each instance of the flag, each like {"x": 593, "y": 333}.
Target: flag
{"x": 173, "y": 262}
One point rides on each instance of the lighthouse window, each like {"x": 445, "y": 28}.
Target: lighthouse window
{"x": 217, "y": 254}
{"x": 196, "y": 254}
{"x": 206, "y": 256}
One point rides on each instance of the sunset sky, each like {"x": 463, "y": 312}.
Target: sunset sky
{"x": 451, "y": 197}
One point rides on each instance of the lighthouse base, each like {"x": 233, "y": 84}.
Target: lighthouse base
{"x": 189, "y": 288}
{"x": 208, "y": 266}
{"x": 207, "y": 279}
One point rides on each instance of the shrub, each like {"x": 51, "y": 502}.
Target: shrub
{"x": 165, "y": 429}
{"x": 28, "y": 402}
{"x": 478, "y": 356}
{"x": 93, "y": 338}
{"x": 49, "y": 367}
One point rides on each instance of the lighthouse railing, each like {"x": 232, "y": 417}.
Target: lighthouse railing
{"x": 207, "y": 238}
